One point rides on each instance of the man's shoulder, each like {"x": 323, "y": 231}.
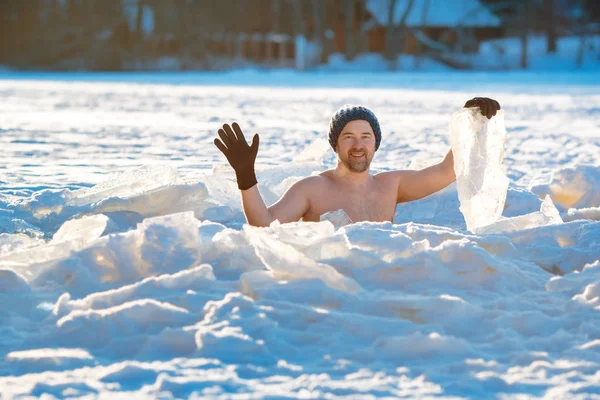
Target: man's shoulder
{"x": 315, "y": 181}
{"x": 388, "y": 176}
{"x": 314, "y": 184}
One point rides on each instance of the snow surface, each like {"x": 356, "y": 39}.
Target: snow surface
{"x": 149, "y": 284}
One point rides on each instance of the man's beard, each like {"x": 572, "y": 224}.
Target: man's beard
{"x": 356, "y": 164}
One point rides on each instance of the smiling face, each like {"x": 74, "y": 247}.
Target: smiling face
{"x": 356, "y": 145}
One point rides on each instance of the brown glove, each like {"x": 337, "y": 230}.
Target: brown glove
{"x": 240, "y": 156}
{"x": 489, "y": 107}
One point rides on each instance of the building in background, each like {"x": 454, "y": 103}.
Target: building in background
{"x": 431, "y": 28}
{"x": 302, "y": 34}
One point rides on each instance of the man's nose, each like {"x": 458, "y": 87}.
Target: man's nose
{"x": 358, "y": 143}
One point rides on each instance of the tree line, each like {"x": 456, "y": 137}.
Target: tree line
{"x": 117, "y": 34}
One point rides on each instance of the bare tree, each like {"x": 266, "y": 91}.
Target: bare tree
{"x": 550, "y": 9}
{"x": 388, "y": 51}
{"x": 298, "y": 18}
{"x": 362, "y": 40}
{"x": 319, "y": 12}
{"x": 526, "y": 24}
{"x": 138, "y": 20}
{"x": 582, "y": 24}
{"x": 395, "y": 42}
{"x": 350, "y": 34}
{"x": 419, "y": 45}
{"x": 276, "y": 15}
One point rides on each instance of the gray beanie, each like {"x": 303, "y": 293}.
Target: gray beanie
{"x": 349, "y": 113}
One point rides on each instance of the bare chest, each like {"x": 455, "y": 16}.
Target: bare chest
{"x": 376, "y": 203}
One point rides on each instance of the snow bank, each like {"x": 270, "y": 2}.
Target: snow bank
{"x": 302, "y": 299}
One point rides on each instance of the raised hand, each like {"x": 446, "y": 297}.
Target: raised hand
{"x": 489, "y": 107}
{"x": 241, "y": 157}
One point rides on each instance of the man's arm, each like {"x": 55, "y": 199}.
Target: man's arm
{"x": 414, "y": 185}
{"x": 292, "y": 206}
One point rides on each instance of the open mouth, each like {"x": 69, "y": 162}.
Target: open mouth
{"x": 357, "y": 155}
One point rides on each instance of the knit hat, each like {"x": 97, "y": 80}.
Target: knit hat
{"x": 349, "y": 113}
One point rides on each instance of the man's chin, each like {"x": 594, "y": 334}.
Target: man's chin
{"x": 358, "y": 166}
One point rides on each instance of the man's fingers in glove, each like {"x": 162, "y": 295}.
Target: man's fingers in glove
{"x": 238, "y": 132}
{"x": 254, "y": 146}
{"x": 493, "y": 107}
{"x": 231, "y": 135}
{"x": 225, "y": 138}
{"x": 471, "y": 103}
{"x": 490, "y": 107}
{"x": 483, "y": 105}
{"x": 478, "y": 102}
{"x": 221, "y": 147}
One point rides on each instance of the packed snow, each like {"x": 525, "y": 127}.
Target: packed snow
{"x": 127, "y": 269}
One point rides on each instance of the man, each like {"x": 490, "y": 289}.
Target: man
{"x": 355, "y": 136}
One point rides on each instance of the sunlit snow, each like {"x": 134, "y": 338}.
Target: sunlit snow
{"x": 126, "y": 265}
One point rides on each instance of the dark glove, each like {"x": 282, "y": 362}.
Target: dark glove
{"x": 489, "y": 107}
{"x": 239, "y": 154}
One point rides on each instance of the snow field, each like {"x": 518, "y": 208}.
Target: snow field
{"x": 149, "y": 283}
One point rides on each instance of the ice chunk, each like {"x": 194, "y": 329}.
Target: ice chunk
{"x": 124, "y": 205}
{"x": 254, "y": 282}
{"x": 45, "y": 359}
{"x": 573, "y": 284}
{"x": 577, "y": 187}
{"x": 287, "y": 263}
{"x": 18, "y": 241}
{"x": 126, "y": 185}
{"x": 592, "y": 213}
{"x": 218, "y": 214}
{"x": 548, "y": 215}
{"x": 43, "y": 203}
{"x": 92, "y": 328}
{"x": 478, "y": 148}
{"x": 338, "y": 218}
{"x": 550, "y": 212}
{"x": 193, "y": 278}
{"x": 561, "y": 248}
{"x": 164, "y": 200}
{"x": 381, "y": 242}
{"x": 87, "y": 228}
{"x": 72, "y": 236}
{"x": 19, "y": 226}
{"x": 53, "y": 356}
{"x": 12, "y": 282}
{"x": 314, "y": 152}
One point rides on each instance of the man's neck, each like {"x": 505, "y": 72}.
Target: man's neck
{"x": 351, "y": 178}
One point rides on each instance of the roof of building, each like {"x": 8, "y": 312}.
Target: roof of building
{"x": 435, "y": 13}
